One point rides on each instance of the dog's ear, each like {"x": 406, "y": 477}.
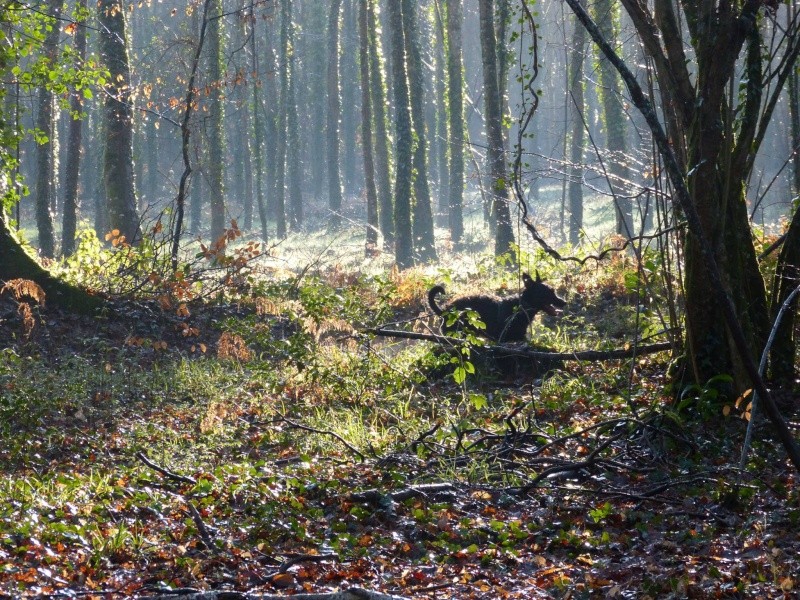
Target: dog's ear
{"x": 538, "y": 278}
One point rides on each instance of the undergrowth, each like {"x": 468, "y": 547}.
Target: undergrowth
{"x": 278, "y": 408}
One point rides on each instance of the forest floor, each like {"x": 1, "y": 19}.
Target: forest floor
{"x": 266, "y": 446}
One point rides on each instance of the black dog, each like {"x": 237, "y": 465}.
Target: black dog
{"x": 506, "y": 319}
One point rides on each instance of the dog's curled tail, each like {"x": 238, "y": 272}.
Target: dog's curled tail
{"x": 432, "y": 293}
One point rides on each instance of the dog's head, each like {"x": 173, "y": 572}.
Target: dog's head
{"x": 539, "y": 296}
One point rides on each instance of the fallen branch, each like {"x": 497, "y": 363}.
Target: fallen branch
{"x": 414, "y": 491}
{"x": 202, "y": 529}
{"x": 508, "y": 350}
{"x": 165, "y": 472}
{"x": 350, "y": 594}
{"x": 344, "y": 442}
{"x": 301, "y": 558}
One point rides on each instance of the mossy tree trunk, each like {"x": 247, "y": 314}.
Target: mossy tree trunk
{"x": 422, "y": 214}
{"x": 366, "y": 127}
{"x": 787, "y": 273}
{"x": 498, "y": 175}
{"x": 280, "y": 140}
{"x": 383, "y": 178}
{"x": 74, "y": 141}
{"x": 216, "y": 151}
{"x": 455, "y": 98}
{"x": 715, "y": 135}
{"x": 578, "y": 132}
{"x": 45, "y": 153}
{"x": 16, "y": 263}
{"x": 613, "y": 116}
{"x": 333, "y": 116}
{"x": 404, "y": 252}
{"x": 440, "y": 105}
{"x": 294, "y": 170}
{"x": 118, "y": 172}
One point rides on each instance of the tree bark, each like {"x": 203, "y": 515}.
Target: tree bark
{"x": 334, "y": 113}
{"x": 350, "y": 99}
{"x": 45, "y": 153}
{"x": 675, "y": 172}
{"x": 455, "y": 90}
{"x": 787, "y": 272}
{"x": 74, "y": 149}
{"x": 263, "y": 160}
{"x": 498, "y": 177}
{"x": 440, "y": 101}
{"x": 294, "y": 168}
{"x": 422, "y": 214}
{"x": 279, "y": 194}
{"x": 216, "y": 151}
{"x": 404, "y": 253}
{"x": 118, "y": 174}
{"x": 577, "y": 135}
{"x": 383, "y": 179}
{"x": 366, "y": 128}
{"x": 607, "y": 17}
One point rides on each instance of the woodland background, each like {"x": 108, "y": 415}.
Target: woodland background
{"x": 218, "y": 373}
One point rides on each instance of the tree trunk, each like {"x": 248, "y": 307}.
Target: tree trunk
{"x": 350, "y": 108}
{"x": 455, "y": 90}
{"x": 715, "y": 136}
{"x": 404, "y": 252}
{"x": 787, "y": 272}
{"x": 18, "y": 264}
{"x": 576, "y": 109}
{"x": 422, "y": 215}
{"x": 118, "y": 175}
{"x": 607, "y": 17}
{"x": 440, "y": 103}
{"x": 383, "y": 180}
{"x": 216, "y": 151}
{"x": 280, "y": 141}
{"x": 334, "y": 113}
{"x": 294, "y": 169}
{"x": 258, "y": 134}
{"x": 74, "y": 143}
{"x": 504, "y": 234}
{"x": 366, "y": 129}
{"x": 45, "y": 153}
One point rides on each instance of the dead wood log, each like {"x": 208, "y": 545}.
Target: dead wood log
{"x": 504, "y": 350}
{"x": 350, "y": 594}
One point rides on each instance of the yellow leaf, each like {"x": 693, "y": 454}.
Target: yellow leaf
{"x": 741, "y": 398}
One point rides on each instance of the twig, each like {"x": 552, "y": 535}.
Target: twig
{"x": 205, "y": 534}
{"x": 344, "y": 442}
{"x": 577, "y": 466}
{"x": 762, "y": 365}
{"x": 413, "y": 445}
{"x": 165, "y": 472}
